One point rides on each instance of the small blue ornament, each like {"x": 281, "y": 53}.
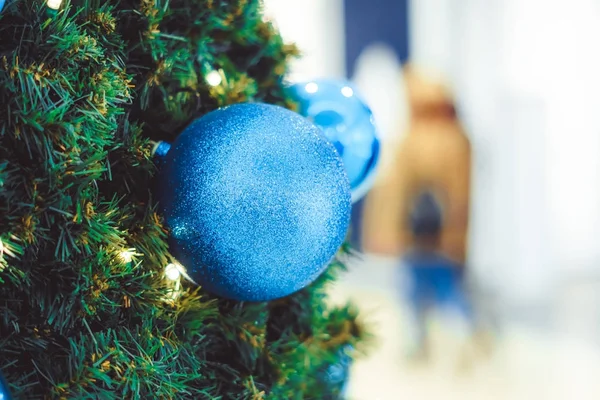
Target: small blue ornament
{"x": 336, "y": 107}
{"x": 1, "y": 7}
{"x": 4, "y": 393}
{"x": 257, "y": 201}
{"x": 337, "y": 375}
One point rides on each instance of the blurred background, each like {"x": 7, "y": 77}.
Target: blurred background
{"x": 517, "y": 84}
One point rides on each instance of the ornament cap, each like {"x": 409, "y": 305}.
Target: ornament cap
{"x": 160, "y": 149}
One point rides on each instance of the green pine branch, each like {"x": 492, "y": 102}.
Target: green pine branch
{"x": 83, "y": 92}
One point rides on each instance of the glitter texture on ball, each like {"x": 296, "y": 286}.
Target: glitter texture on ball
{"x": 256, "y": 199}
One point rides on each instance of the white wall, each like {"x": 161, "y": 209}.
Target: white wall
{"x": 317, "y": 27}
{"x": 526, "y": 74}
{"x": 379, "y": 79}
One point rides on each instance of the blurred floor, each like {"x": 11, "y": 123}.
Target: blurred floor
{"x": 527, "y": 362}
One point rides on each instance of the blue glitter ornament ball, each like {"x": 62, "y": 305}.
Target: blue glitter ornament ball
{"x": 336, "y": 107}
{"x": 1, "y": 7}
{"x": 257, "y": 201}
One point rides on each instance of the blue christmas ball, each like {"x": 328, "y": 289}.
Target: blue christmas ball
{"x": 337, "y": 375}
{"x": 347, "y": 121}
{"x": 256, "y": 199}
{"x": 1, "y": 7}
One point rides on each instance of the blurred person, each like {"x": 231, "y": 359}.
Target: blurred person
{"x": 431, "y": 193}
{"x": 434, "y": 153}
{"x": 420, "y": 208}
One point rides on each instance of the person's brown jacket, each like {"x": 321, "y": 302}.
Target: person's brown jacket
{"x": 435, "y": 154}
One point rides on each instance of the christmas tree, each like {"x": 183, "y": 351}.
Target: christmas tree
{"x": 86, "y": 310}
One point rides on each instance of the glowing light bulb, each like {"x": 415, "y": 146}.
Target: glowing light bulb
{"x": 172, "y": 272}
{"x": 127, "y": 255}
{"x": 311, "y": 87}
{"x": 1, "y": 253}
{"x": 347, "y": 91}
{"x": 54, "y": 4}
{"x": 214, "y": 78}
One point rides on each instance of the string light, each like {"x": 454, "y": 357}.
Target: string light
{"x": 173, "y": 272}
{"x": 8, "y": 250}
{"x": 214, "y": 78}
{"x": 54, "y": 4}
{"x": 127, "y": 255}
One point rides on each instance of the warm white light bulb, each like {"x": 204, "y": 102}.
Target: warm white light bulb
{"x": 347, "y": 91}
{"x": 127, "y": 255}
{"x": 172, "y": 272}
{"x": 214, "y": 78}
{"x": 311, "y": 87}
{"x": 54, "y": 4}
{"x": 1, "y": 253}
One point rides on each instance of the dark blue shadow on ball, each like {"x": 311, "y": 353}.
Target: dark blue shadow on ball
{"x": 256, "y": 199}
